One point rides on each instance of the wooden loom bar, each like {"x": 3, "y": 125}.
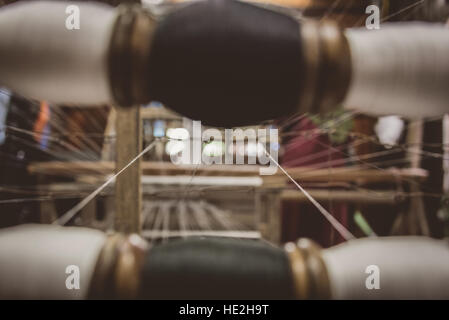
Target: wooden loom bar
{"x": 375, "y": 197}
{"x": 128, "y": 191}
{"x": 344, "y": 174}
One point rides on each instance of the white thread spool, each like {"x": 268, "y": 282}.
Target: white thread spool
{"x": 400, "y": 69}
{"x": 34, "y": 259}
{"x": 410, "y": 268}
{"x": 40, "y": 58}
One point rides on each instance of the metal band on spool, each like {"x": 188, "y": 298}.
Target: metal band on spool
{"x": 128, "y": 58}
{"x": 102, "y": 285}
{"x": 299, "y": 272}
{"x": 309, "y": 273}
{"x": 117, "y": 272}
{"x": 316, "y": 269}
{"x": 129, "y": 266}
{"x": 328, "y": 67}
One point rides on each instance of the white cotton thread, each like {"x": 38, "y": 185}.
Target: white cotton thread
{"x": 41, "y": 59}
{"x": 401, "y": 69}
{"x": 72, "y": 212}
{"x": 345, "y": 233}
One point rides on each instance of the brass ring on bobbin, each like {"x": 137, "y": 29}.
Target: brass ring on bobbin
{"x": 316, "y": 269}
{"x": 311, "y": 280}
{"x": 102, "y": 285}
{"x": 299, "y": 272}
{"x": 328, "y": 66}
{"x": 129, "y": 55}
{"x": 129, "y": 266}
{"x": 311, "y": 55}
{"x": 118, "y": 267}
{"x": 335, "y": 69}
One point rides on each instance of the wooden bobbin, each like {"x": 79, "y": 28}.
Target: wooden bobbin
{"x": 129, "y": 265}
{"x": 117, "y": 272}
{"x": 129, "y": 55}
{"x": 328, "y": 66}
{"x": 310, "y": 276}
{"x": 102, "y": 285}
{"x": 128, "y": 60}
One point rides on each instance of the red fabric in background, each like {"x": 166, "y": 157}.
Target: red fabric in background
{"x": 304, "y": 141}
{"x": 302, "y": 219}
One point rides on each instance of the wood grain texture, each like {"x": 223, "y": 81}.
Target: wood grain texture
{"x": 128, "y": 192}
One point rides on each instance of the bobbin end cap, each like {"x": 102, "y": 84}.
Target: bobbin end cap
{"x": 226, "y": 63}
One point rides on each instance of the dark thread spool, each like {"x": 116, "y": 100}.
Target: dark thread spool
{"x": 216, "y": 268}
{"x": 227, "y": 63}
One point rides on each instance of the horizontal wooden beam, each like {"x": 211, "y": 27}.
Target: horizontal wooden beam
{"x": 128, "y": 190}
{"x": 375, "y": 197}
{"x": 354, "y": 174}
{"x": 148, "y": 168}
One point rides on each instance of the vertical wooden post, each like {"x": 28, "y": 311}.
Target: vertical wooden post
{"x": 414, "y": 139}
{"x": 128, "y": 192}
{"x": 418, "y": 222}
{"x": 446, "y": 154}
